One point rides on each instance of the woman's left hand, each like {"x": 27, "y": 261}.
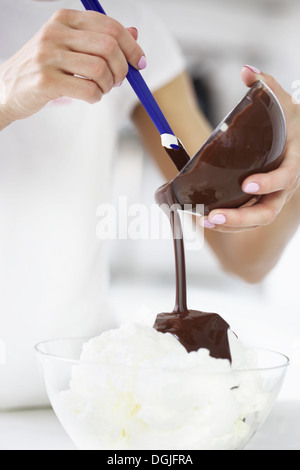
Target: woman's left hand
{"x": 276, "y": 187}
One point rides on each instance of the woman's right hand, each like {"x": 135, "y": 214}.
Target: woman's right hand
{"x": 78, "y": 54}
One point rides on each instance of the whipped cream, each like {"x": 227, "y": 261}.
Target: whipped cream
{"x": 136, "y": 388}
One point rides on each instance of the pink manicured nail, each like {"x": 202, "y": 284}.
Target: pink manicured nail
{"x": 135, "y": 29}
{"x": 208, "y": 224}
{"x": 252, "y": 188}
{"x": 142, "y": 63}
{"x": 118, "y": 85}
{"x": 253, "y": 69}
{"x": 218, "y": 219}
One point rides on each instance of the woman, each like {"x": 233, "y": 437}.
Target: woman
{"x": 55, "y": 168}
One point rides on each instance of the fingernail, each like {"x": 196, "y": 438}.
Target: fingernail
{"x": 252, "y": 188}
{"x": 218, "y": 219}
{"x": 132, "y": 27}
{"x": 142, "y": 63}
{"x": 117, "y": 85}
{"x": 208, "y": 224}
{"x": 253, "y": 69}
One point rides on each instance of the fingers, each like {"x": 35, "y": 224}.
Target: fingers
{"x": 105, "y": 73}
{"x": 89, "y": 45}
{"x": 78, "y": 88}
{"x": 134, "y": 33}
{"x": 275, "y": 188}
{"x": 114, "y": 34}
{"x": 98, "y": 46}
{"x": 251, "y": 74}
{"x": 262, "y": 213}
{"x": 284, "y": 178}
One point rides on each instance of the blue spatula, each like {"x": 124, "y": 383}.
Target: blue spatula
{"x": 170, "y": 142}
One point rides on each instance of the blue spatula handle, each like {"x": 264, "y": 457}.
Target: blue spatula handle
{"x": 139, "y": 85}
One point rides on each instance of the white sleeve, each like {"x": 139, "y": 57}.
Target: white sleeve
{"x": 164, "y": 58}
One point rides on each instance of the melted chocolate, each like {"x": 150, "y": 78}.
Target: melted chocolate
{"x": 252, "y": 140}
{"x": 193, "y": 329}
{"x": 196, "y": 330}
{"x": 178, "y": 156}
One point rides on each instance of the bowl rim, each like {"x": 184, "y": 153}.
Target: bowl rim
{"x": 284, "y": 358}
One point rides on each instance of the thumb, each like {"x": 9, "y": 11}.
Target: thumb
{"x": 251, "y": 74}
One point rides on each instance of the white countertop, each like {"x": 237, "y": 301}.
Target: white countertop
{"x": 41, "y": 430}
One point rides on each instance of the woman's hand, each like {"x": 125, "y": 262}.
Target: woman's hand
{"x": 77, "y": 54}
{"x": 276, "y": 187}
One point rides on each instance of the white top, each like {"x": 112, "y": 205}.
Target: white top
{"x": 55, "y": 170}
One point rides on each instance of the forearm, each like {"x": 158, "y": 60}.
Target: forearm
{"x": 251, "y": 255}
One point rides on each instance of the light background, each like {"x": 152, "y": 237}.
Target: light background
{"x": 217, "y": 39}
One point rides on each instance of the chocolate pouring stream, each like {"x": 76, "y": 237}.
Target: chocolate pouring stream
{"x": 213, "y": 178}
{"x": 193, "y": 329}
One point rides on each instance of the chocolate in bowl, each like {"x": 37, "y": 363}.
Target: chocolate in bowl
{"x": 251, "y": 139}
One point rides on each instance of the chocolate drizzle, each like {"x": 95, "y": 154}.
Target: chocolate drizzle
{"x": 193, "y": 329}
{"x": 252, "y": 139}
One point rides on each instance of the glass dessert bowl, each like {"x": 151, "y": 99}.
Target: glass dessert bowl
{"x": 209, "y": 405}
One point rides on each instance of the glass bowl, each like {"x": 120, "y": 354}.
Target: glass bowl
{"x": 251, "y": 139}
{"x": 112, "y": 407}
